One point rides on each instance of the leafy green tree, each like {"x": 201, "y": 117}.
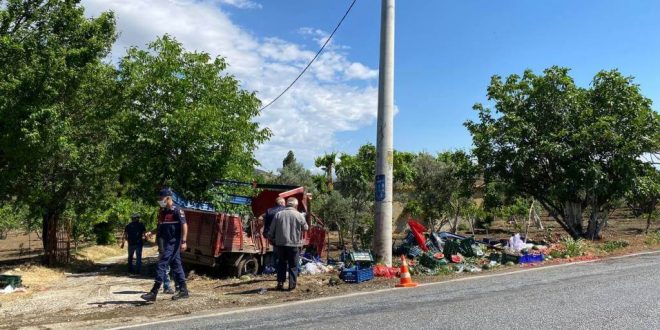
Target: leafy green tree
{"x": 296, "y": 174}
{"x": 572, "y": 149}
{"x": 289, "y": 159}
{"x": 335, "y": 210}
{"x": 185, "y": 121}
{"x": 644, "y": 196}
{"x": 56, "y": 99}
{"x": 355, "y": 178}
{"x": 327, "y": 163}
{"x": 443, "y": 187}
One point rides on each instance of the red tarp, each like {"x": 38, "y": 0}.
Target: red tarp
{"x": 418, "y": 231}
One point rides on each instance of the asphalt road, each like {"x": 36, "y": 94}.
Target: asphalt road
{"x": 612, "y": 294}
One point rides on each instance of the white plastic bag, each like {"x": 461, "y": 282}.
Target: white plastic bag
{"x": 515, "y": 243}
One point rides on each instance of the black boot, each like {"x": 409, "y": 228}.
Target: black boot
{"x": 151, "y": 296}
{"x": 182, "y": 293}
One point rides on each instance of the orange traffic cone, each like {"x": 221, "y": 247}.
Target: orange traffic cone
{"x": 406, "y": 281}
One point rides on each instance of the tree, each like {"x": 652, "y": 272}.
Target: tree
{"x": 570, "y": 148}
{"x": 289, "y": 159}
{"x": 56, "y": 100}
{"x": 443, "y": 187}
{"x": 296, "y": 174}
{"x": 185, "y": 122}
{"x": 644, "y": 196}
{"x": 355, "y": 175}
{"x": 327, "y": 163}
{"x": 335, "y": 210}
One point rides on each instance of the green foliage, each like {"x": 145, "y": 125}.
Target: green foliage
{"x": 327, "y": 163}
{"x": 652, "y": 238}
{"x": 568, "y": 147}
{"x": 56, "y": 100}
{"x": 296, "y": 174}
{"x": 355, "y": 176}
{"x": 104, "y": 233}
{"x": 220, "y": 197}
{"x": 573, "y": 247}
{"x": 442, "y": 185}
{"x": 12, "y": 217}
{"x": 185, "y": 122}
{"x": 614, "y": 245}
{"x": 289, "y": 159}
{"x": 644, "y": 196}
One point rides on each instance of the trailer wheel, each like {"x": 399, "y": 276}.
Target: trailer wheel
{"x": 247, "y": 266}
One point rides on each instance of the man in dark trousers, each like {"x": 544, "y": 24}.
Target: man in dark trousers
{"x": 134, "y": 233}
{"x": 286, "y": 232}
{"x": 172, "y": 233}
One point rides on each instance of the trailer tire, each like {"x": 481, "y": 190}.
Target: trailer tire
{"x": 247, "y": 266}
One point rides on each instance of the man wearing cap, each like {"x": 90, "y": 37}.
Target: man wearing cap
{"x": 172, "y": 233}
{"x": 286, "y": 232}
{"x": 134, "y": 233}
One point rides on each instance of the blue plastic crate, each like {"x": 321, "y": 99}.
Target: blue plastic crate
{"x": 356, "y": 275}
{"x": 530, "y": 258}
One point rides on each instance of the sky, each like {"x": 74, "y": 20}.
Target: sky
{"x": 445, "y": 53}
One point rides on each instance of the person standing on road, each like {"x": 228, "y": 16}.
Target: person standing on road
{"x": 134, "y": 233}
{"x": 286, "y": 232}
{"x": 172, "y": 232}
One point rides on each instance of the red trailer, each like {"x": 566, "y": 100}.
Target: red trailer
{"x": 237, "y": 243}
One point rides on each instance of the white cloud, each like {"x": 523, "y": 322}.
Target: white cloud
{"x": 242, "y": 4}
{"x": 335, "y": 95}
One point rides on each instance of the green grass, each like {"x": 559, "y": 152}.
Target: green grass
{"x": 614, "y": 245}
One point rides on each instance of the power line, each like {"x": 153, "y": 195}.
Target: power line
{"x": 313, "y": 59}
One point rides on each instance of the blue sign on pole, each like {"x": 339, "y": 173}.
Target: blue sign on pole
{"x": 380, "y": 188}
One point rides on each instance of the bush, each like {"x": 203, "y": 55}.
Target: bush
{"x": 614, "y": 245}
{"x": 653, "y": 238}
{"x": 574, "y": 248}
{"x": 105, "y": 233}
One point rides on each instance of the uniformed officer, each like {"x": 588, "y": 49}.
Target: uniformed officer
{"x": 172, "y": 233}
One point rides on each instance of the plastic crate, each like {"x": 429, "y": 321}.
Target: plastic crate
{"x": 13, "y": 280}
{"x": 503, "y": 258}
{"x": 530, "y": 258}
{"x": 356, "y": 275}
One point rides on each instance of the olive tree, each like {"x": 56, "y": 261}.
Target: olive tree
{"x": 573, "y": 149}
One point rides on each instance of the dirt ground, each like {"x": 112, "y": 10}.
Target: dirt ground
{"x": 19, "y": 245}
{"x": 101, "y": 294}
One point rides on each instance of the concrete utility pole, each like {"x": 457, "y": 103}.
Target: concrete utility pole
{"x": 384, "y": 144}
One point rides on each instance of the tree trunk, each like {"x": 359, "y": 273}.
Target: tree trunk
{"x": 353, "y": 229}
{"x": 454, "y": 228}
{"x": 573, "y": 217}
{"x": 49, "y": 236}
{"x": 597, "y": 221}
{"x": 648, "y": 223}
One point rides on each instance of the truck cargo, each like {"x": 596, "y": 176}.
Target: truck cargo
{"x": 236, "y": 243}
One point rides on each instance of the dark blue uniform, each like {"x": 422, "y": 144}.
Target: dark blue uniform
{"x": 170, "y": 222}
{"x": 134, "y": 232}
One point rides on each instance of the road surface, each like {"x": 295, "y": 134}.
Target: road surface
{"x": 619, "y": 293}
